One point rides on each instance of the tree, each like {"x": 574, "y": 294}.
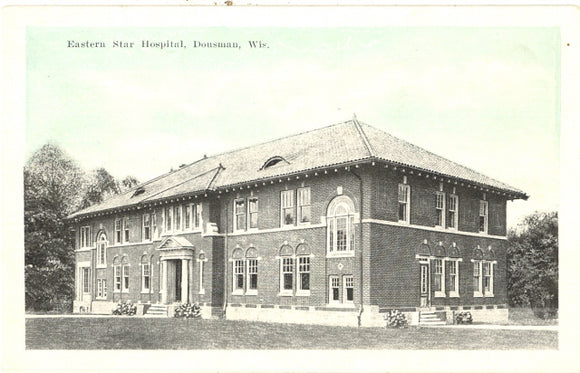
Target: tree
{"x": 533, "y": 262}
{"x": 52, "y": 182}
{"x": 102, "y": 185}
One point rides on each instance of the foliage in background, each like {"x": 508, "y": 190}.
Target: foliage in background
{"x": 54, "y": 187}
{"x": 533, "y": 263}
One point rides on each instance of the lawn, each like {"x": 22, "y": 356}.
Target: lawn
{"x": 525, "y": 316}
{"x": 159, "y": 333}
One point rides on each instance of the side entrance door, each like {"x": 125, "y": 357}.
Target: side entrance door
{"x": 424, "y": 283}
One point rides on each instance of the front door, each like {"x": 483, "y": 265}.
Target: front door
{"x": 424, "y": 281}
{"x": 178, "y": 280}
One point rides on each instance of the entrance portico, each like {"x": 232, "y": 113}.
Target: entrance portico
{"x": 176, "y": 270}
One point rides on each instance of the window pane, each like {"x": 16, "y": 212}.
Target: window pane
{"x": 335, "y": 295}
{"x": 341, "y": 234}
{"x": 288, "y": 281}
{"x": 304, "y": 214}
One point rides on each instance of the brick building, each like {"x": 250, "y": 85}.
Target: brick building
{"x": 335, "y": 225}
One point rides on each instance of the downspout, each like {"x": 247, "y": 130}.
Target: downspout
{"x": 225, "y": 305}
{"x": 360, "y": 230}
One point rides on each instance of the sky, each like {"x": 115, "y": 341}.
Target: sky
{"x": 483, "y": 97}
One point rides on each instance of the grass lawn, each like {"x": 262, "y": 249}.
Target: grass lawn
{"x": 159, "y": 333}
{"x": 525, "y": 316}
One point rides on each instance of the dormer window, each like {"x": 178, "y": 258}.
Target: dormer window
{"x": 138, "y": 192}
{"x": 272, "y": 161}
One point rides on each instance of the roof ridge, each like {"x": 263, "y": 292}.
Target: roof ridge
{"x": 442, "y": 157}
{"x": 364, "y": 137}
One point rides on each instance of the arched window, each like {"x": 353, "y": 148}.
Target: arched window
{"x": 102, "y": 249}
{"x": 303, "y": 256}
{"x": 340, "y": 226}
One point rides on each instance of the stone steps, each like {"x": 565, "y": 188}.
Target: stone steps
{"x": 430, "y": 318}
{"x": 157, "y": 310}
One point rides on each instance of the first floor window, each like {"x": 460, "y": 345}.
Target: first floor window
{"x": 438, "y": 275}
{"x": 487, "y": 278}
{"x": 477, "y": 277}
{"x": 287, "y": 274}
{"x": 304, "y": 273}
{"x": 252, "y": 274}
{"x": 101, "y": 288}
{"x": 334, "y": 289}
{"x": 146, "y": 277}
{"x": 239, "y": 275}
{"x": 453, "y": 278}
{"x": 117, "y": 278}
{"x": 86, "y": 279}
{"x": 125, "y": 278}
{"x": 348, "y": 289}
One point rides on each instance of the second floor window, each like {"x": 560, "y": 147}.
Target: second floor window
{"x": 177, "y": 217}
{"x": 240, "y": 212}
{"x": 118, "y": 231}
{"x": 452, "y": 212}
{"x": 340, "y": 226}
{"x": 253, "y": 212}
{"x": 303, "y": 205}
{"x": 102, "y": 250}
{"x": 440, "y": 209}
{"x": 483, "y": 216}
{"x": 147, "y": 227}
{"x": 404, "y": 202}
{"x": 126, "y": 229}
{"x": 85, "y": 237}
{"x": 287, "y": 207}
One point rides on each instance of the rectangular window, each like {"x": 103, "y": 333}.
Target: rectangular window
{"x": 187, "y": 217}
{"x": 253, "y": 274}
{"x": 438, "y": 275}
{"x": 287, "y": 206}
{"x": 287, "y": 274}
{"x": 99, "y": 288}
{"x": 104, "y": 282}
{"x": 168, "y": 218}
{"x": 125, "y": 278}
{"x": 147, "y": 227}
{"x": 117, "y": 278}
{"x": 334, "y": 296}
{"x": 177, "y": 217}
{"x": 404, "y": 202}
{"x": 253, "y": 212}
{"x": 440, "y": 209}
{"x": 452, "y": 215}
{"x": 240, "y": 211}
{"x": 304, "y": 273}
{"x": 487, "y": 278}
{"x": 117, "y": 230}
{"x": 101, "y": 253}
{"x": 126, "y": 226}
{"x": 155, "y": 234}
{"x": 196, "y": 213}
{"x": 348, "y": 289}
{"x": 341, "y": 233}
{"x": 304, "y": 205}
{"x": 483, "y": 216}
{"x": 453, "y": 278}
{"x": 86, "y": 279}
{"x": 85, "y": 237}
{"x": 477, "y": 278}
{"x": 238, "y": 275}
{"x": 146, "y": 277}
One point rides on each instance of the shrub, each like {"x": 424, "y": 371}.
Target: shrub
{"x": 125, "y": 308}
{"x": 396, "y": 319}
{"x": 463, "y": 318}
{"x": 188, "y": 311}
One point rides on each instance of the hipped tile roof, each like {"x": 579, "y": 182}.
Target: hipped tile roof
{"x": 344, "y": 143}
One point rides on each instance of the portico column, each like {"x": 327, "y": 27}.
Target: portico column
{"x": 190, "y": 285}
{"x": 164, "y": 281}
{"x": 184, "y": 280}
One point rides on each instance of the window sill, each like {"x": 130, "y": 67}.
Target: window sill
{"x": 303, "y": 293}
{"x": 340, "y": 255}
{"x": 202, "y": 291}
{"x": 238, "y": 292}
{"x": 488, "y": 295}
{"x": 340, "y": 305}
{"x": 101, "y": 298}
{"x": 146, "y": 292}
{"x": 285, "y": 294}
{"x": 404, "y": 222}
{"x": 453, "y": 294}
{"x": 99, "y": 266}
{"x": 440, "y": 294}
{"x": 252, "y": 292}
{"x": 477, "y": 295}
